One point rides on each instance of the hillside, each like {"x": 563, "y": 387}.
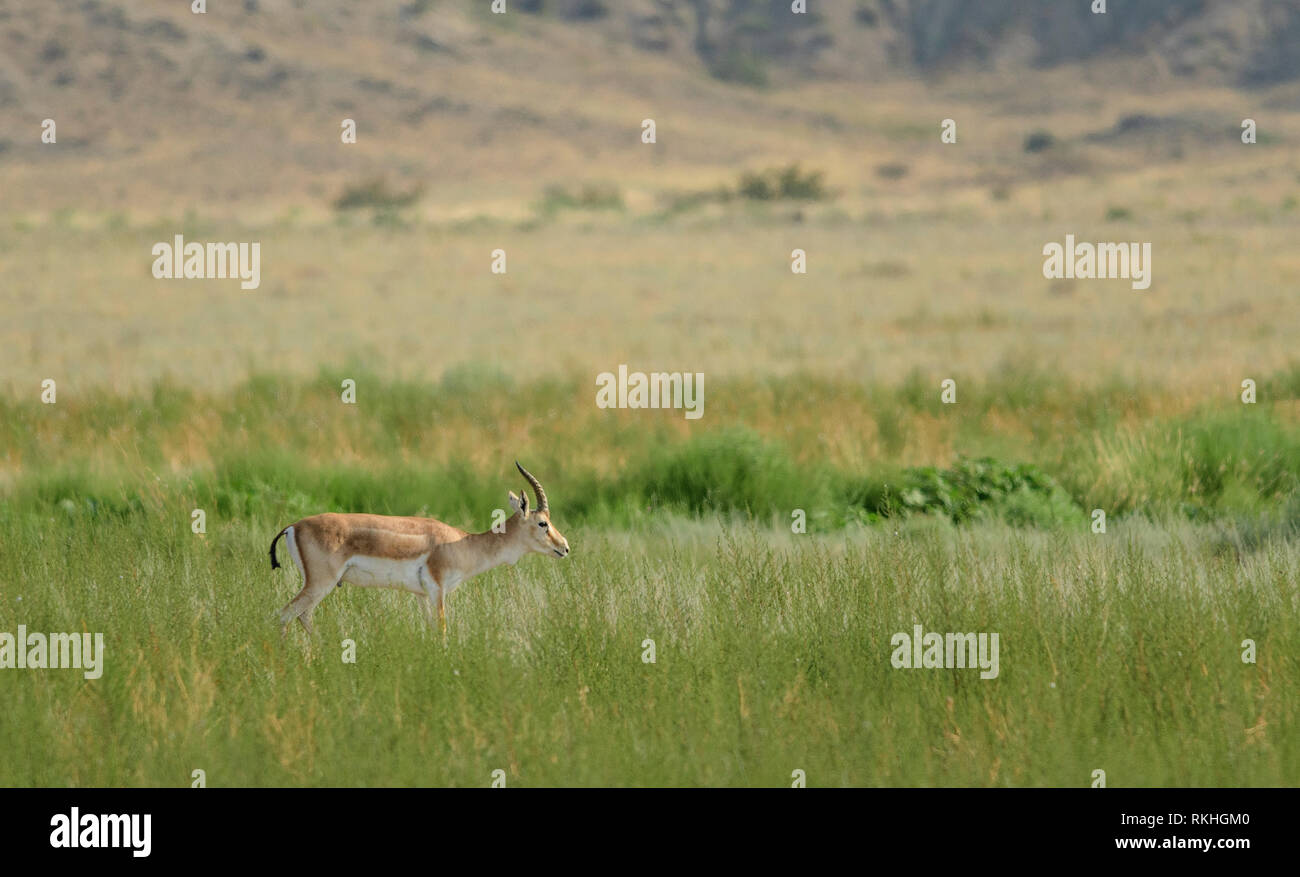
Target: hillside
{"x": 239, "y": 109}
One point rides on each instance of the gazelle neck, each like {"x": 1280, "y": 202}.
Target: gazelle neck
{"x": 491, "y": 549}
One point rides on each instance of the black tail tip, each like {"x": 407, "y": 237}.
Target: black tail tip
{"x": 275, "y": 564}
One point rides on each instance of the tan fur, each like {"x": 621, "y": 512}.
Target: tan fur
{"x": 327, "y": 546}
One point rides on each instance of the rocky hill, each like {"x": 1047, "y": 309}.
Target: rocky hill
{"x": 158, "y": 105}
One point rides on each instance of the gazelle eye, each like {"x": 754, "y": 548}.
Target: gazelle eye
{"x": 542, "y": 524}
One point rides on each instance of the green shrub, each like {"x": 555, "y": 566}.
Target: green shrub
{"x": 742, "y": 67}
{"x": 376, "y": 193}
{"x": 1039, "y": 141}
{"x": 982, "y": 488}
{"x": 590, "y": 196}
{"x": 732, "y": 470}
{"x": 788, "y": 183}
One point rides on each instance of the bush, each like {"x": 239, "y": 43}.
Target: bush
{"x": 591, "y": 196}
{"x": 972, "y": 489}
{"x": 376, "y": 193}
{"x": 588, "y": 10}
{"x": 733, "y": 470}
{"x": 1038, "y": 141}
{"x": 782, "y": 183}
{"x": 741, "y": 67}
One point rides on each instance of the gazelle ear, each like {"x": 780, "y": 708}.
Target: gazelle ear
{"x": 518, "y": 505}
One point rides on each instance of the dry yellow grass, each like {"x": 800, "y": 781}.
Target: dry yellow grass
{"x": 945, "y": 296}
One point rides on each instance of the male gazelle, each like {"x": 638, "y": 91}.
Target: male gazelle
{"x": 421, "y": 555}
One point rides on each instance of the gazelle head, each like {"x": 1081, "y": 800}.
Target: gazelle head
{"x": 533, "y": 526}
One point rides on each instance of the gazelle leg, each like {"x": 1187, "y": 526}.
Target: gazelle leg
{"x": 293, "y": 608}
{"x": 317, "y": 584}
{"x": 426, "y": 607}
{"x": 314, "y": 596}
{"x": 304, "y": 618}
{"x": 433, "y": 593}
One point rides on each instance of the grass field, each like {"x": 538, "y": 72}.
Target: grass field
{"x": 1119, "y": 651}
{"x": 772, "y": 654}
{"x": 951, "y": 291}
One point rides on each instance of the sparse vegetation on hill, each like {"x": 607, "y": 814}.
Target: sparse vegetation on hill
{"x": 376, "y": 194}
{"x": 254, "y": 97}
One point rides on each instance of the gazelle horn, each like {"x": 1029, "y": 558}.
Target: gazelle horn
{"x": 537, "y": 487}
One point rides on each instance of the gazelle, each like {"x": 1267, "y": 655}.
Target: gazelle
{"x": 420, "y": 555}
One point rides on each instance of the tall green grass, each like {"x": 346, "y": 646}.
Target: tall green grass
{"x": 772, "y": 653}
{"x": 1030, "y": 451}
{"x": 1119, "y": 651}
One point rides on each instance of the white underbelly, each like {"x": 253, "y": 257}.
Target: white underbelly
{"x": 381, "y": 572}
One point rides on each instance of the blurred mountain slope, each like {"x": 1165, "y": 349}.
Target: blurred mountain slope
{"x": 159, "y": 106}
